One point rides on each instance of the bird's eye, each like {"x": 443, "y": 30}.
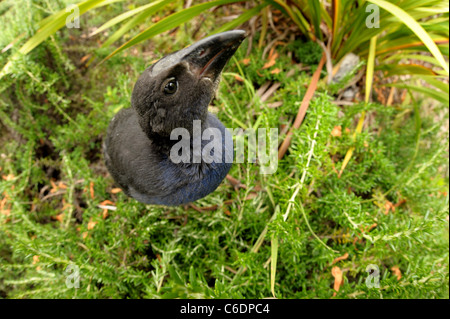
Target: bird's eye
{"x": 171, "y": 87}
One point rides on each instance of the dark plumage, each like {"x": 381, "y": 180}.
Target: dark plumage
{"x": 170, "y": 94}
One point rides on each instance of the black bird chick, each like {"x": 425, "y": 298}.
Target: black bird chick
{"x": 172, "y": 93}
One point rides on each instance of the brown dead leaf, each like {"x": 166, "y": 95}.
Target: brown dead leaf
{"x": 91, "y": 189}
{"x": 8, "y": 177}
{"x": 238, "y": 78}
{"x": 336, "y": 131}
{"x": 107, "y": 202}
{"x": 85, "y": 58}
{"x": 65, "y": 206}
{"x": 251, "y": 196}
{"x": 91, "y": 225}
{"x": 397, "y": 272}
{"x": 3, "y": 203}
{"x": 85, "y": 234}
{"x": 115, "y": 190}
{"x": 59, "y": 217}
{"x": 273, "y": 55}
{"x": 268, "y": 64}
{"x": 275, "y": 71}
{"x": 62, "y": 185}
{"x": 401, "y": 202}
{"x": 105, "y": 213}
{"x": 443, "y": 193}
{"x": 271, "y": 59}
{"x": 343, "y": 257}
{"x": 235, "y": 182}
{"x": 246, "y": 61}
{"x": 35, "y": 259}
{"x": 338, "y": 278}
{"x": 5, "y": 212}
{"x": 54, "y": 187}
{"x": 388, "y": 206}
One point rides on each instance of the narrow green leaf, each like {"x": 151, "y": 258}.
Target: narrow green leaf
{"x": 175, "y": 275}
{"x": 63, "y": 11}
{"x": 433, "y": 93}
{"x": 370, "y": 68}
{"x": 302, "y": 23}
{"x": 403, "y": 69}
{"x": 369, "y": 80}
{"x": 415, "y": 27}
{"x": 170, "y": 22}
{"x": 407, "y": 56}
{"x": 273, "y": 263}
{"x": 241, "y": 19}
{"x": 315, "y": 11}
{"x": 54, "y": 23}
{"x": 434, "y": 81}
{"x": 122, "y": 17}
{"x": 140, "y": 17}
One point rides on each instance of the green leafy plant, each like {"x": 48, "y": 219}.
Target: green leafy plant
{"x": 274, "y": 235}
{"x": 344, "y": 32}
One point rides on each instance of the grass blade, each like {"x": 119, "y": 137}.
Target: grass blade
{"x": 273, "y": 263}
{"x": 433, "y": 80}
{"x": 402, "y": 69}
{"x": 407, "y": 56}
{"x": 434, "y": 94}
{"x": 54, "y": 23}
{"x": 336, "y": 8}
{"x": 140, "y": 17}
{"x": 122, "y": 17}
{"x": 416, "y": 28}
{"x": 315, "y": 12}
{"x": 168, "y": 23}
{"x": 241, "y": 19}
{"x": 369, "y": 79}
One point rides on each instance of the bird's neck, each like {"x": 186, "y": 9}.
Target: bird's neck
{"x": 164, "y": 143}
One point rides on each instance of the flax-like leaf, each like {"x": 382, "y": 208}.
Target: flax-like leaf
{"x": 170, "y": 22}
{"x": 415, "y": 27}
{"x": 53, "y": 24}
{"x": 435, "y": 94}
{"x": 122, "y": 17}
{"x": 403, "y": 69}
{"x": 247, "y": 15}
{"x": 369, "y": 80}
{"x": 273, "y": 263}
{"x": 315, "y": 11}
{"x": 140, "y": 17}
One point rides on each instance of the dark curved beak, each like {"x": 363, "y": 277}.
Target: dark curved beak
{"x": 208, "y": 57}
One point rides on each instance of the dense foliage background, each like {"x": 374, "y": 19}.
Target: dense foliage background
{"x": 344, "y": 196}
